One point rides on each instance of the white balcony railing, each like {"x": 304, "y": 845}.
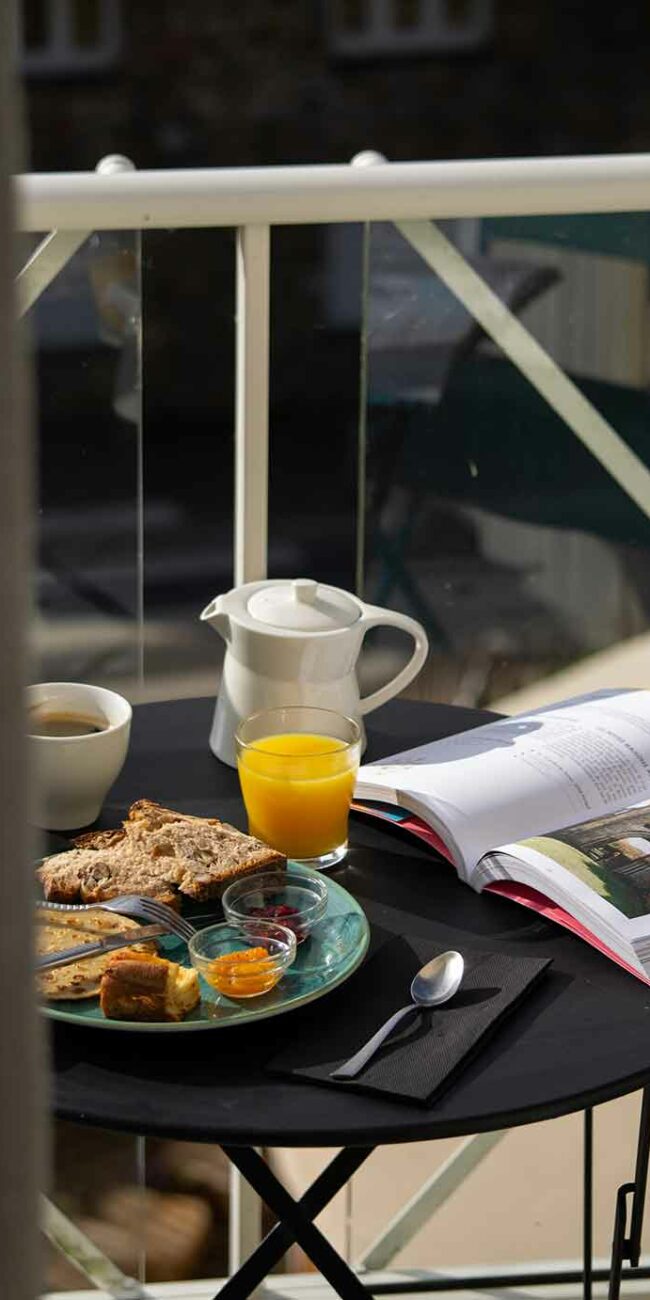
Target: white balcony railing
{"x": 411, "y": 194}
{"x": 318, "y": 195}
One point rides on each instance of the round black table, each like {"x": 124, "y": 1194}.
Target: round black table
{"x": 580, "y": 1038}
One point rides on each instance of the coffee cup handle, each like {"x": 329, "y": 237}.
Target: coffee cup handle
{"x": 375, "y": 617}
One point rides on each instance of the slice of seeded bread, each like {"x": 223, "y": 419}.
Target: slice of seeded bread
{"x": 159, "y": 852}
{"x": 95, "y": 875}
{"x": 151, "y": 816}
{"x": 99, "y": 839}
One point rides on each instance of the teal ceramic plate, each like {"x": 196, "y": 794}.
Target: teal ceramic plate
{"x": 334, "y": 949}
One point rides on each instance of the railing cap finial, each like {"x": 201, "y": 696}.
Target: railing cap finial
{"x": 368, "y": 158}
{"x": 114, "y": 163}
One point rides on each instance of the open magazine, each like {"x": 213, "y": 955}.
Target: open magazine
{"x": 551, "y": 808}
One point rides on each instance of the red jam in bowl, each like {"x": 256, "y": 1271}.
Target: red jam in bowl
{"x": 284, "y": 915}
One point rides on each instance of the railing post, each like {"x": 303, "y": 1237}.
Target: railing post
{"x": 252, "y": 403}
{"x": 250, "y": 543}
{"x": 244, "y": 1220}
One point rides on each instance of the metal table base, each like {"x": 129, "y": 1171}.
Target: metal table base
{"x": 296, "y": 1225}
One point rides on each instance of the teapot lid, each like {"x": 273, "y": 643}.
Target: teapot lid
{"x": 303, "y": 605}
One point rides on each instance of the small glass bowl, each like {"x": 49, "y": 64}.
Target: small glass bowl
{"x": 209, "y": 947}
{"x": 297, "y": 901}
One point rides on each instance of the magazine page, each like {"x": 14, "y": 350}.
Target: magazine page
{"x": 599, "y": 870}
{"x": 520, "y": 777}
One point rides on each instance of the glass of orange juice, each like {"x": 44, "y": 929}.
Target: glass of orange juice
{"x": 297, "y": 767}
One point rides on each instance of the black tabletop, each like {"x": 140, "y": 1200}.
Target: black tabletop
{"x": 582, "y": 1037}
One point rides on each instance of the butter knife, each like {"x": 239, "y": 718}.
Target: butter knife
{"x": 126, "y": 939}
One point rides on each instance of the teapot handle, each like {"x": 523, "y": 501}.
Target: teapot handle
{"x": 375, "y": 617}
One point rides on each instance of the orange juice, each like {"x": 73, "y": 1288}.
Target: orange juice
{"x": 297, "y": 789}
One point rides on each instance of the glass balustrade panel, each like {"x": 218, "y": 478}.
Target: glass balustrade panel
{"x": 87, "y": 594}
{"x": 97, "y": 1223}
{"x": 501, "y": 508}
{"x": 189, "y": 417}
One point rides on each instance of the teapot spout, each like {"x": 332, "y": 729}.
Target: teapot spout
{"x": 213, "y": 615}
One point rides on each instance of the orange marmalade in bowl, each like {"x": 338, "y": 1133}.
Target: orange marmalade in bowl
{"x": 243, "y": 974}
{"x": 243, "y": 960}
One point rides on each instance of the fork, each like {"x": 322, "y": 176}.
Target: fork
{"x": 149, "y": 909}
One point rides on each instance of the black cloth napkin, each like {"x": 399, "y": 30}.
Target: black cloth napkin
{"x": 425, "y": 1054}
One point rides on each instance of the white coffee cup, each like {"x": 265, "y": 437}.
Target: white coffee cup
{"x": 73, "y": 774}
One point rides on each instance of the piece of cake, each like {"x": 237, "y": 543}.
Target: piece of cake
{"x": 147, "y": 987}
{"x": 157, "y": 852}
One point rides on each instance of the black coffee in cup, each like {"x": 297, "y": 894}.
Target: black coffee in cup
{"x": 43, "y": 722}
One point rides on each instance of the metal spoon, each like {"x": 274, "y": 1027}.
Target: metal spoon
{"x": 434, "y": 984}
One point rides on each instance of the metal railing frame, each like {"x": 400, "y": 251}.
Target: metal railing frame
{"x": 116, "y": 196}
{"x": 317, "y": 195}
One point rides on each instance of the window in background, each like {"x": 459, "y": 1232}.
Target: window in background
{"x": 371, "y": 28}
{"x": 68, "y": 37}
{"x": 35, "y": 24}
{"x": 406, "y": 14}
{"x": 352, "y": 15}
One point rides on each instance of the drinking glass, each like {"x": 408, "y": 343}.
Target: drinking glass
{"x": 297, "y": 767}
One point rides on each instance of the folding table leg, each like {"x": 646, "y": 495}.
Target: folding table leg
{"x": 629, "y": 1247}
{"x": 295, "y": 1223}
{"x": 587, "y": 1204}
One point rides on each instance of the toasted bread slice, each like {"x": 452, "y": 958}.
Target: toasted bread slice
{"x": 99, "y": 839}
{"x": 202, "y": 856}
{"x": 160, "y": 853}
{"x": 95, "y": 875}
{"x": 152, "y": 816}
{"x": 142, "y": 815}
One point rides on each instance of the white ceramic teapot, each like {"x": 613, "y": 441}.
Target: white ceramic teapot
{"x": 297, "y": 642}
